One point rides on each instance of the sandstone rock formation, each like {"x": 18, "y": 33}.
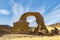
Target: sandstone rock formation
{"x": 23, "y": 26}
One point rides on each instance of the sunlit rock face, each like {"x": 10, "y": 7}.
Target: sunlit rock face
{"x": 23, "y": 26}
{"x": 55, "y": 27}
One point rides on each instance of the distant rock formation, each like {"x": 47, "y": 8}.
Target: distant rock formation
{"x": 56, "y": 24}
{"x": 54, "y": 28}
{"x": 5, "y": 29}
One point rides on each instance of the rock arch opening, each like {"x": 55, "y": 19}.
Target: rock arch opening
{"x": 32, "y": 21}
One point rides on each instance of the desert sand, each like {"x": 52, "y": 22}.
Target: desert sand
{"x": 28, "y": 37}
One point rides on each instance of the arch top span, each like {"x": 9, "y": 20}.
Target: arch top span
{"x": 36, "y": 14}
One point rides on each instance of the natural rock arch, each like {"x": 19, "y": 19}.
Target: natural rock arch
{"x": 38, "y": 16}
{"x": 22, "y": 24}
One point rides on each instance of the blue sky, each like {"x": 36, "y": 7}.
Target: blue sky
{"x": 11, "y": 11}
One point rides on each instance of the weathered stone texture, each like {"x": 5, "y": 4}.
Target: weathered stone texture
{"x": 23, "y": 26}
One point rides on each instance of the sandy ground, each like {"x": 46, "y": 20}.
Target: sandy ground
{"x": 28, "y": 37}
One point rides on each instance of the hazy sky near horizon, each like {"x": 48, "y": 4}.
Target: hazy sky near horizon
{"x": 11, "y": 11}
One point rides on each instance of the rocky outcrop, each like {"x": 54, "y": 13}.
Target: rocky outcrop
{"x": 5, "y": 29}
{"x": 23, "y": 26}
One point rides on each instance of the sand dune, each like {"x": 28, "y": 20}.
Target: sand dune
{"x": 28, "y": 37}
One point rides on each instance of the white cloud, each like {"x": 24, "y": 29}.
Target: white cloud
{"x": 4, "y": 12}
{"x": 42, "y": 8}
{"x": 28, "y": 6}
{"x": 53, "y": 16}
{"x": 18, "y": 9}
{"x": 55, "y": 8}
